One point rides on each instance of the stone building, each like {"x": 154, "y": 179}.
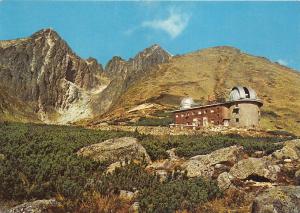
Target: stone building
{"x": 242, "y": 109}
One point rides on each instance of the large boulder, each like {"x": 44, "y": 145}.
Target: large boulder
{"x": 203, "y": 165}
{"x": 114, "y": 150}
{"x": 37, "y": 206}
{"x": 257, "y": 168}
{"x": 290, "y": 150}
{"x": 280, "y": 199}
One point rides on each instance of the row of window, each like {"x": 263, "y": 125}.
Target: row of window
{"x": 193, "y": 113}
{"x": 212, "y": 122}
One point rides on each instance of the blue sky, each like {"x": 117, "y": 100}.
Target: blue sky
{"x": 105, "y": 29}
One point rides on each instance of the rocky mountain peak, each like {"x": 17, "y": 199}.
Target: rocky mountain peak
{"x": 149, "y": 57}
{"x": 43, "y": 70}
{"x": 115, "y": 66}
{"x": 48, "y": 32}
{"x": 154, "y": 50}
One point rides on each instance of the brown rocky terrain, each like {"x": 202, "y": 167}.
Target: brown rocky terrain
{"x": 41, "y": 71}
{"x": 43, "y": 80}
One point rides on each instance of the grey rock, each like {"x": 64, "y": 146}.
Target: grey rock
{"x": 290, "y": 150}
{"x": 261, "y": 167}
{"x": 203, "y": 165}
{"x": 280, "y": 199}
{"x": 116, "y": 150}
{"x": 37, "y": 206}
{"x": 224, "y": 180}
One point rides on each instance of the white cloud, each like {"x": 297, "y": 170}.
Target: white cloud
{"x": 174, "y": 24}
{"x": 282, "y": 62}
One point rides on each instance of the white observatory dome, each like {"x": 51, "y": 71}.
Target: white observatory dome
{"x": 238, "y": 93}
{"x": 186, "y": 103}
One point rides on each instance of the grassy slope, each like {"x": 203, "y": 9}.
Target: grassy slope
{"x": 12, "y": 109}
{"x": 215, "y": 71}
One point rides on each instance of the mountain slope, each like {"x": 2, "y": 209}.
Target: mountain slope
{"x": 43, "y": 80}
{"x": 124, "y": 74}
{"x": 42, "y": 71}
{"x": 213, "y": 72}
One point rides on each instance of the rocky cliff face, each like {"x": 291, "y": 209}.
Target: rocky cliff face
{"x": 43, "y": 73}
{"x": 124, "y": 74}
{"x": 43, "y": 70}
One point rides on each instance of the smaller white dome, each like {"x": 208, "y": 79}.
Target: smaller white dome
{"x": 186, "y": 103}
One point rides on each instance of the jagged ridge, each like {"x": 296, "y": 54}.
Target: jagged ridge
{"x": 43, "y": 69}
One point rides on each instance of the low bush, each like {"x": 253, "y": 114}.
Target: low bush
{"x": 188, "y": 146}
{"x": 130, "y": 177}
{"x": 153, "y": 121}
{"x": 178, "y": 195}
{"x": 41, "y": 161}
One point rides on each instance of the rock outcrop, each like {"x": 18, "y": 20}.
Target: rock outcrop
{"x": 280, "y": 199}
{"x": 116, "y": 150}
{"x": 203, "y": 165}
{"x": 290, "y": 150}
{"x": 37, "y": 206}
{"x": 255, "y": 168}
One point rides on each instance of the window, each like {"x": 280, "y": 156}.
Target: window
{"x": 182, "y": 115}
{"x": 237, "y": 120}
{"x": 205, "y": 111}
{"x": 176, "y": 116}
{"x": 212, "y": 121}
{"x": 236, "y": 111}
{"x": 212, "y": 111}
{"x": 199, "y": 113}
{"x": 247, "y": 92}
